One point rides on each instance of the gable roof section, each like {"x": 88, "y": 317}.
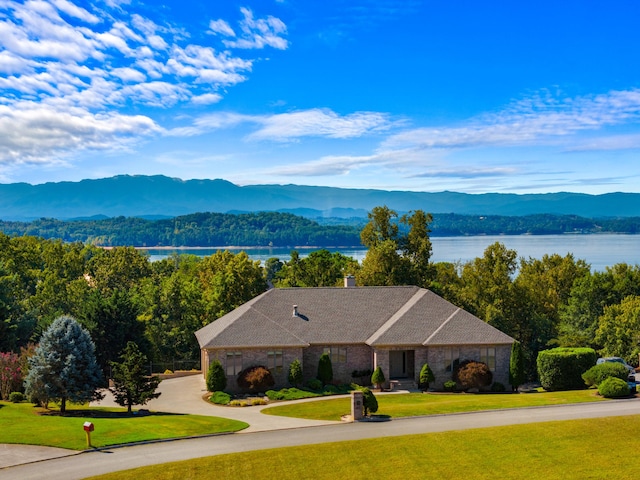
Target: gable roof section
{"x": 462, "y": 328}
{"x": 334, "y": 316}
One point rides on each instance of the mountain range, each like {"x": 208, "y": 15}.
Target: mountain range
{"x": 162, "y": 197}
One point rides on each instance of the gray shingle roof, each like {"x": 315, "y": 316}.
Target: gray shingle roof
{"x": 329, "y": 316}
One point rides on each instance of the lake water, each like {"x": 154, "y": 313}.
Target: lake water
{"x": 599, "y": 251}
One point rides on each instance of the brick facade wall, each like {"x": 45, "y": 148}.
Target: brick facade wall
{"x": 362, "y": 357}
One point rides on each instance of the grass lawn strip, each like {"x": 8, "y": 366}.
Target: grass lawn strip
{"x": 552, "y": 450}
{"x": 418, "y": 404}
{"x": 25, "y": 424}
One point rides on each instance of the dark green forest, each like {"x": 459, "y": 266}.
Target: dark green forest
{"x": 287, "y": 230}
{"x": 119, "y": 295}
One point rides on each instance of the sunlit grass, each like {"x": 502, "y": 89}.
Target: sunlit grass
{"x": 416, "y": 404}
{"x": 26, "y": 424}
{"x": 578, "y": 449}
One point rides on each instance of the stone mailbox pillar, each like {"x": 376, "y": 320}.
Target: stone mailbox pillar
{"x": 357, "y": 405}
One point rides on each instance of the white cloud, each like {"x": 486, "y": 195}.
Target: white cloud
{"x": 536, "y": 119}
{"x": 260, "y": 33}
{"x": 206, "y": 99}
{"x": 291, "y": 126}
{"x": 320, "y": 123}
{"x": 85, "y": 62}
{"x": 39, "y": 134}
{"x": 221, "y": 27}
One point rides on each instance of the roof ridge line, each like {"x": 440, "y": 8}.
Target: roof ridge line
{"x": 397, "y": 315}
{"x": 442, "y": 325}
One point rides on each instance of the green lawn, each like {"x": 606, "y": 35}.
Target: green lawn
{"x": 24, "y": 423}
{"x": 578, "y": 449}
{"x": 415, "y": 404}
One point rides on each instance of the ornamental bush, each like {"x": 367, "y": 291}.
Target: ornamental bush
{"x": 255, "y": 379}
{"x": 598, "y": 373}
{"x": 426, "y": 376}
{"x": 450, "y": 386}
{"x": 471, "y": 374}
{"x": 10, "y": 374}
{"x": 220, "y": 398}
{"x": 314, "y": 384}
{"x": 562, "y": 368}
{"x": 498, "y": 387}
{"x": 325, "y": 369}
{"x": 369, "y": 401}
{"x": 377, "y": 377}
{"x": 216, "y": 378}
{"x": 295, "y": 373}
{"x": 16, "y": 397}
{"x": 613, "y": 387}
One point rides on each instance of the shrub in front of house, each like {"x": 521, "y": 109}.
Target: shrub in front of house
{"x": 450, "y": 386}
{"x": 613, "y": 387}
{"x": 16, "y": 397}
{"x": 290, "y": 394}
{"x": 599, "y": 373}
{"x": 562, "y": 368}
{"x": 369, "y": 401}
{"x": 498, "y": 387}
{"x": 314, "y": 384}
{"x": 255, "y": 379}
{"x": 426, "y": 377}
{"x": 377, "y": 377}
{"x": 325, "y": 369}
{"x": 295, "y": 373}
{"x": 216, "y": 378}
{"x": 220, "y": 398}
{"x": 470, "y": 374}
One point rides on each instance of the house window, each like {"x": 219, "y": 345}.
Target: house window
{"x": 451, "y": 358}
{"x": 234, "y": 363}
{"x": 275, "y": 361}
{"x": 488, "y": 356}
{"x": 337, "y": 354}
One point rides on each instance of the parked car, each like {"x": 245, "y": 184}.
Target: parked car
{"x": 632, "y": 370}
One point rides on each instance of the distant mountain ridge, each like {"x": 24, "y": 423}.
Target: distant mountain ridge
{"x": 160, "y": 196}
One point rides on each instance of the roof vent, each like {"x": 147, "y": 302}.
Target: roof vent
{"x": 295, "y": 311}
{"x": 349, "y": 281}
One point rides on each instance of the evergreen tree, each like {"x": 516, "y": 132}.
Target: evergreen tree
{"x": 516, "y": 366}
{"x": 131, "y": 384}
{"x": 426, "y": 376}
{"x": 377, "y": 378}
{"x": 216, "y": 378}
{"x": 325, "y": 369}
{"x": 64, "y": 366}
{"x": 295, "y": 373}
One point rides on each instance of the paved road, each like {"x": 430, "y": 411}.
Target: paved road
{"x": 94, "y": 463}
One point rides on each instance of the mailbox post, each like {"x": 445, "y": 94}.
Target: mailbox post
{"x": 88, "y": 428}
{"x": 357, "y": 405}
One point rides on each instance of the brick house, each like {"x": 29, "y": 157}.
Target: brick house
{"x": 396, "y": 328}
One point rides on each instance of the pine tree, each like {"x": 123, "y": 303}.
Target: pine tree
{"x": 64, "y": 366}
{"x": 131, "y": 384}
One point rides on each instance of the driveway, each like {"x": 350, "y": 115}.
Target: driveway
{"x": 111, "y": 460}
{"x": 184, "y": 395}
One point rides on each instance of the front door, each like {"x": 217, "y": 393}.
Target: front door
{"x": 398, "y": 363}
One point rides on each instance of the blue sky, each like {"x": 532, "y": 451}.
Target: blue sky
{"x": 414, "y": 95}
